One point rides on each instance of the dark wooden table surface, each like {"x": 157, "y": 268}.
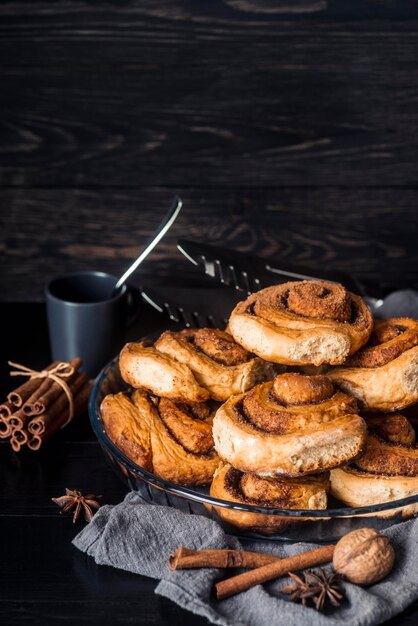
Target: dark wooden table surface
{"x": 43, "y": 579}
{"x": 289, "y": 128}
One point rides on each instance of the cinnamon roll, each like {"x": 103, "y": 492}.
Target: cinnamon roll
{"x": 388, "y": 469}
{"x": 308, "y": 322}
{"x": 228, "y": 483}
{"x": 383, "y": 375}
{"x": 193, "y": 365}
{"x": 171, "y": 439}
{"x": 291, "y": 426}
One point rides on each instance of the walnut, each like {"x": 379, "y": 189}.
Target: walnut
{"x": 363, "y": 556}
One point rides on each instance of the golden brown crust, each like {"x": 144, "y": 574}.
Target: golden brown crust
{"x": 388, "y": 458}
{"x": 173, "y": 440}
{"x": 389, "y": 387}
{"x": 388, "y": 468}
{"x": 257, "y": 432}
{"x": 193, "y": 365}
{"x": 390, "y": 449}
{"x": 294, "y": 388}
{"x": 217, "y": 344}
{"x": 124, "y": 427}
{"x": 302, "y": 323}
{"x": 263, "y": 408}
{"x": 392, "y": 427}
{"x": 357, "y": 488}
{"x": 144, "y": 366}
{"x": 189, "y": 424}
{"x": 302, "y": 493}
{"x": 390, "y": 338}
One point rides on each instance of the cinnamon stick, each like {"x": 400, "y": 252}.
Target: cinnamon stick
{"x": 18, "y": 396}
{"x": 43, "y": 404}
{"x": 48, "y": 391}
{"x": 242, "y": 582}
{"x": 184, "y": 558}
{"x": 32, "y": 406}
{"x": 25, "y": 393}
{"x": 19, "y": 419}
{"x": 6, "y": 409}
{"x": 15, "y": 421}
{"x": 39, "y": 424}
{"x": 18, "y": 439}
{"x": 34, "y": 443}
{"x": 52, "y": 423}
{"x": 5, "y": 428}
{"x": 80, "y": 404}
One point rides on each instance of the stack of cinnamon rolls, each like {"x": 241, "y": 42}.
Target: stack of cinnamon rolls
{"x": 302, "y": 396}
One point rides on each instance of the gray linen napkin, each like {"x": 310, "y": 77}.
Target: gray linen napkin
{"x": 402, "y": 303}
{"x": 138, "y": 537}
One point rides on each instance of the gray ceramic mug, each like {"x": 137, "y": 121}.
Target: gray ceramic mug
{"x": 85, "y": 320}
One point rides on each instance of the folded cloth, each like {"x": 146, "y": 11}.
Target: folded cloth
{"x": 139, "y": 537}
{"x": 402, "y": 303}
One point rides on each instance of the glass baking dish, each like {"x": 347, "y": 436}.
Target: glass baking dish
{"x": 304, "y": 525}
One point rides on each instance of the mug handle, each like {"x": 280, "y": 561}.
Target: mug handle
{"x": 134, "y": 302}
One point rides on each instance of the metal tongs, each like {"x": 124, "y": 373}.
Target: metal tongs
{"x": 250, "y": 274}
{"x": 240, "y": 275}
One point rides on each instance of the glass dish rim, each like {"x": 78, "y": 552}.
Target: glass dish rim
{"x": 189, "y": 494}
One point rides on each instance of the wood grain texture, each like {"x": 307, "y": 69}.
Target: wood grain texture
{"x": 289, "y": 129}
{"x": 132, "y": 608}
{"x": 289, "y": 134}
{"x": 277, "y": 6}
{"x": 186, "y": 93}
{"x": 372, "y": 233}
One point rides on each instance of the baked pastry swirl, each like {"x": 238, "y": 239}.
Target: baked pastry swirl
{"x": 193, "y": 365}
{"x": 383, "y": 375}
{"x": 309, "y": 492}
{"x": 307, "y": 322}
{"x": 388, "y": 469}
{"x": 291, "y": 426}
{"x": 171, "y": 439}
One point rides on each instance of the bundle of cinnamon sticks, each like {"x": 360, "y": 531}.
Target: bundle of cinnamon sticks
{"x": 41, "y": 406}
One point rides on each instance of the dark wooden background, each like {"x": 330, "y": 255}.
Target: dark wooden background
{"x": 289, "y": 128}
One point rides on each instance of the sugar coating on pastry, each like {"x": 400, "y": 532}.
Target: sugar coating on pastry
{"x": 291, "y": 426}
{"x": 309, "y": 492}
{"x": 193, "y": 365}
{"x": 169, "y": 438}
{"x": 383, "y": 375}
{"x": 302, "y": 323}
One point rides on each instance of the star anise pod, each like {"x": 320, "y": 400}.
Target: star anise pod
{"x": 317, "y": 587}
{"x": 74, "y": 498}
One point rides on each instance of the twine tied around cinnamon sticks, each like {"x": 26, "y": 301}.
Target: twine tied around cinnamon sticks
{"x": 46, "y": 402}
{"x": 57, "y": 374}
